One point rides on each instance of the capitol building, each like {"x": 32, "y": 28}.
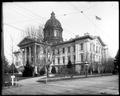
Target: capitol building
{"x": 87, "y": 48}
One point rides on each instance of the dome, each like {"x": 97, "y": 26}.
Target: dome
{"x": 52, "y": 22}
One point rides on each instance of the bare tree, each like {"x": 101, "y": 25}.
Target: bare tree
{"x": 32, "y": 32}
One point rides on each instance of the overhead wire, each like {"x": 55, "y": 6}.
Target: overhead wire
{"x": 18, "y": 11}
{"x": 33, "y": 13}
{"x": 86, "y": 9}
{"x": 24, "y": 14}
{"x": 87, "y": 17}
{"x": 13, "y": 27}
{"x": 79, "y": 12}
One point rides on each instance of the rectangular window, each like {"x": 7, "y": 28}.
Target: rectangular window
{"x": 91, "y": 57}
{"x": 54, "y": 61}
{"x": 58, "y": 60}
{"x": 69, "y": 49}
{"x": 94, "y": 48}
{"x": 82, "y": 57}
{"x": 55, "y": 33}
{"x": 58, "y": 51}
{"x": 63, "y": 50}
{"x": 99, "y": 50}
{"x": 63, "y": 60}
{"x": 73, "y": 48}
{"x": 81, "y": 46}
{"x": 68, "y": 58}
{"x": 53, "y": 52}
{"x": 74, "y": 58}
{"x": 90, "y": 47}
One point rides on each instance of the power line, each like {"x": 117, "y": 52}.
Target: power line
{"x": 13, "y": 27}
{"x": 18, "y": 11}
{"x": 87, "y": 17}
{"x": 21, "y": 21}
{"x": 16, "y": 7}
{"x": 78, "y": 12}
{"x": 33, "y": 13}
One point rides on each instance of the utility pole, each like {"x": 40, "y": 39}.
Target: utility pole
{"x": 46, "y": 62}
{"x": 12, "y": 56}
{"x": 13, "y": 77}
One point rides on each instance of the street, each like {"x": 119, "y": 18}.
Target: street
{"x": 93, "y": 85}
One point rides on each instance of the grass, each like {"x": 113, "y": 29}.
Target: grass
{"x": 7, "y": 78}
{"x": 58, "y": 77}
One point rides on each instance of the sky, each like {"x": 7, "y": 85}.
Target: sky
{"x": 76, "y": 18}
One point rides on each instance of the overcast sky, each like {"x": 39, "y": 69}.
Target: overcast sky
{"x": 76, "y": 18}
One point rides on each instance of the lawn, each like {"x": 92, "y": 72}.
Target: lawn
{"x": 7, "y": 78}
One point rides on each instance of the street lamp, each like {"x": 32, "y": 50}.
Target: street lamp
{"x": 86, "y": 69}
{"x": 48, "y": 62}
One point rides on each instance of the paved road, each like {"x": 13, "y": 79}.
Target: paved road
{"x": 94, "y": 85}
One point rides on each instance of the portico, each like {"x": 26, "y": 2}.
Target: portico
{"x": 32, "y": 52}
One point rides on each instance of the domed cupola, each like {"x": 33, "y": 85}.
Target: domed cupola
{"x": 53, "y": 30}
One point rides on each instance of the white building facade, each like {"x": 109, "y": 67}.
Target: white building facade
{"x": 79, "y": 50}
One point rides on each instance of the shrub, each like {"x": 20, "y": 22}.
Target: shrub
{"x": 5, "y": 66}
{"x": 69, "y": 65}
{"x": 53, "y": 70}
{"x": 28, "y": 71}
{"x": 13, "y": 69}
{"x": 42, "y": 71}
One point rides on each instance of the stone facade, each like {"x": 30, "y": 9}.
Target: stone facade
{"x": 79, "y": 50}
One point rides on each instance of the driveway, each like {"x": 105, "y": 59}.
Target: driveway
{"x": 29, "y": 81}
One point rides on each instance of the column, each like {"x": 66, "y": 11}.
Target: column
{"x": 25, "y": 56}
{"x": 22, "y": 57}
{"x": 29, "y": 54}
{"x": 35, "y": 55}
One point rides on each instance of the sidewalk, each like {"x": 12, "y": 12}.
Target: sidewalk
{"x": 74, "y": 77}
{"x": 30, "y": 80}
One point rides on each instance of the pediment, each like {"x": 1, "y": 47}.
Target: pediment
{"x": 25, "y": 41}
{"x": 98, "y": 39}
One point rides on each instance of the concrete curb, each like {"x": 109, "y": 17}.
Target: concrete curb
{"x": 69, "y": 78}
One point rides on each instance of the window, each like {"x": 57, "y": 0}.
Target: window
{"x": 99, "y": 59}
{"x": 73, "y": 48}
{"x": 69, "y": 49}
{"x": 74, "y": 58}
{"x": 91, "y": 57}
{"x": 53, "y": 52}
{"x": 94, "y": 48}
{"x": 63, "y": 50}
{"x": 94, "y": 57}
{"x": 48, "y": 33}
{"x": 68, "y": 58}
{"x": 81, "y": 46}
{"x": 90, "y": 47}
{"x": 58, "y": 51}
{"x": 54, "y": 61}
{"x": 58, "y": 60}
{"x": 81, "y": 57}
{"x": 55, "y": 33}
{"x": 99, "y": 50}
{"x": 63, "y": 60}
